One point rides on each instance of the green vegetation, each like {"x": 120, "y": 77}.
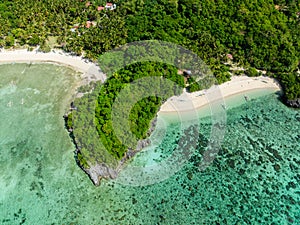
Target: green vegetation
{"x": 255, "y": 35}
{"x": 142, "y": 112}
{"x": 94, "y": 110}
{"x": 69, "y": 123}
{"x": 263, "y": 34}
{"x": 81, "y": 160}
{"x": 25, "y": 22}
{"x": 251, "y": 72}
{"x": 291, "y": 84}
{"x": 82, "y": 121}
{"x": 141, "y": 115}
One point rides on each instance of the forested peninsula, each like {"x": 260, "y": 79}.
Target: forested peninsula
{"x": 232, "y": 37}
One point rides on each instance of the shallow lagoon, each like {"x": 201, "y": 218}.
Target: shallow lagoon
{"x": 254, "y": 179}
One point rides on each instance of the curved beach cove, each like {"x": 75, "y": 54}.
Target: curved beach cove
{"x": 254, "y": 179}
{"x": 237, "y": 85}
{"x": 90, "y": 71}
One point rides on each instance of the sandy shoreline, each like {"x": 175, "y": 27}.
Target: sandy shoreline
{"x": 237, "y": 85}
{"x": 185, "y": 102}
{"x": 90, "y": 71}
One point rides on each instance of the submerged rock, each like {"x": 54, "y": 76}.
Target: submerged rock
{"x": 99, "y": 171}
{"x": 293, "y": 103}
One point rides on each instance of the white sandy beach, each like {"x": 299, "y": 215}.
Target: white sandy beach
{"x": 184, "y": 102}
{"x": 237, "y": 85}
{"x": 89, "y": 70}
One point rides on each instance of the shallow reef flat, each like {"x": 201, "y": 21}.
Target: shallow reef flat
{"x": 253, "y": 180}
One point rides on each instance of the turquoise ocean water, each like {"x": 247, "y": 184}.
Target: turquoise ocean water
{"x": 255, "y": 179}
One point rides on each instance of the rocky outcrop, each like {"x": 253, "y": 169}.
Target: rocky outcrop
{"x": 293, "y": 103}
{"x": 101, "y": 170}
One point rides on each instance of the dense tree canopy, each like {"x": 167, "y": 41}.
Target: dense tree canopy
{"x": 143, "y": 112}
{"x": 38, "y": 22}
{"x": 262, "y": 34}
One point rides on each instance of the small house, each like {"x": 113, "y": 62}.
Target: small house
{"x": 90, "y": 23}
{"x": 187, "y": 73}
{"x": 229, "y": 56}
{"x": 110, "y": 6}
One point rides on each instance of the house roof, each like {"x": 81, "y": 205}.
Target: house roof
{"x": 229, "y": 56}
{"x": 109, "y": 4}
{"x": 99, "y": 8}
{"x": 88, "y": 24}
